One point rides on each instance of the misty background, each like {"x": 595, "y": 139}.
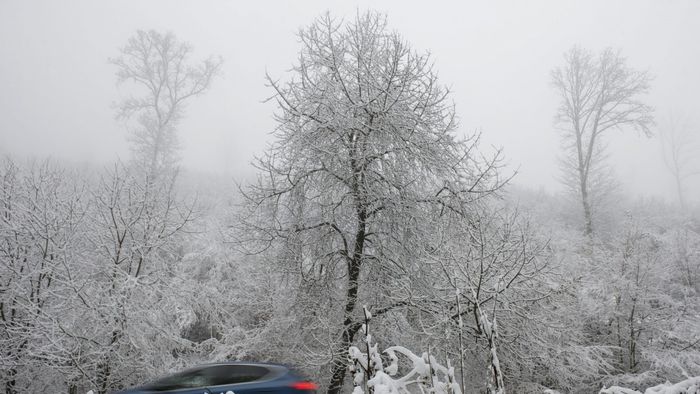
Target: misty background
{"x": 58, "y": 89}
{"x": 321, "y": 204}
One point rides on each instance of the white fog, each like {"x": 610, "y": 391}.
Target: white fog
{"x": 511, "y": 189}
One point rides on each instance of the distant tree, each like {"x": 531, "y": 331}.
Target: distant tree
{"x": 365, "y": 169}
{"x": 680, "y": 151}
{"x": 598, "y": 93}
{"x": 160, "y": 66}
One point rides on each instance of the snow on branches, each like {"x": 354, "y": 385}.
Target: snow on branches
{"x": 371, "y": 377}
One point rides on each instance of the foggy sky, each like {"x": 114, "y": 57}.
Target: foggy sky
{"x": 57, "y": 87}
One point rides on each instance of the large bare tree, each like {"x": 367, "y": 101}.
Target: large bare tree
{"x": 365, "y": 168}
{"x": 598, "y": 93}
{"x": 159, "y": 65}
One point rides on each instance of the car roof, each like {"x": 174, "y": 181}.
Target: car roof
{"x": 278, "y": 367}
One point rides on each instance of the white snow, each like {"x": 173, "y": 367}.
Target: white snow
{"x": 688, "y": 386}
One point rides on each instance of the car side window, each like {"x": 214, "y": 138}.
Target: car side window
{"x": 233, "y": 374}
{"x": 189, "y": 379}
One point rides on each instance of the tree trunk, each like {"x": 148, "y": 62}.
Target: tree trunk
{"x": 587, "y": 215}
{"x": 340, "y": 364}
{"x": 103, "y": 373}
{"x": 349, "y": 329}
{"x": 104, "y": 368}
{"x": 679, "y": 189}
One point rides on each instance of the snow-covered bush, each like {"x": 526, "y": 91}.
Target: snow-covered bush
{"x": 688, "y": 386}
{"x": 370, "y": 375}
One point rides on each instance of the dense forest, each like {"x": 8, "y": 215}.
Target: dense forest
{"x": 373, "y": 219}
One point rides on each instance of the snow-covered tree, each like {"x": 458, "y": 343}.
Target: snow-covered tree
{"x": 636, "y": 303}
{"x": 40, "y": 215}
{"x": 365, "y": 166}
{"x": 500, "y": 271}
{"x": 133, "y": 229}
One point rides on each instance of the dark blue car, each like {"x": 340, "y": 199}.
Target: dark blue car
{"x": 230, "y": 377}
